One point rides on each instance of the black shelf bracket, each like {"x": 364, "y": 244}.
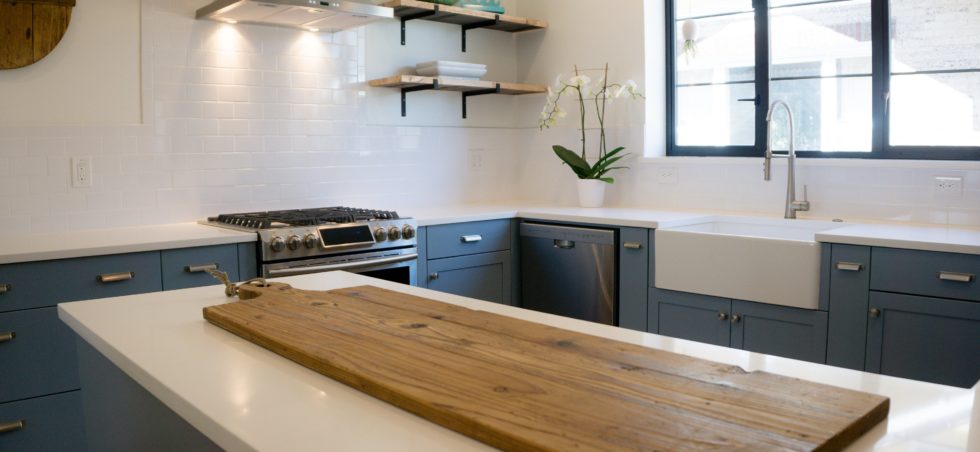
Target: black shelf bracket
{"x": 481, "y": 24}
{"x": 478, "y": 92}
{"x": 421, "y": 15}
{"x": 432, "y": 86}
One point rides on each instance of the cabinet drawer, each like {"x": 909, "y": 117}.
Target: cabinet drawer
{"x": 40, "y": 284}
{"x": 187, "y": 268}
{"x": 37, "y": 355}
{"x": 945, "y": 275}
{"x": 49, "y": 423}
{"x": 468, "y": 238}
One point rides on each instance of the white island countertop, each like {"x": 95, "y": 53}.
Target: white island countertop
{"x": 244, "y": 397}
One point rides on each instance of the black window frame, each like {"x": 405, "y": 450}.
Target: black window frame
{"x": 880, "y": 81}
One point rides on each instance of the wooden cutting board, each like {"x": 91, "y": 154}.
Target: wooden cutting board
{"x": 518, "y": 385}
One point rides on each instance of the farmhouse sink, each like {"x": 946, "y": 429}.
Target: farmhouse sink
{"x": 771, "y": 261}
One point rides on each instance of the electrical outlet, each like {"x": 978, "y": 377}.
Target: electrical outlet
{"x": 667, "y": 175}
{"x": 81, "y": 172}
{"x": 948, "y": 186}
{"x": 477, "y": 160}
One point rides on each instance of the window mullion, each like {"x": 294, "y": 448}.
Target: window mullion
{"x": 880, "y": 77}
{"x": 761, "y": 73}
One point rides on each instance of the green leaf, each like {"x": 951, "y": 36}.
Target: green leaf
{"x": 607, "y": 180}
{"x": 581, "y": 168}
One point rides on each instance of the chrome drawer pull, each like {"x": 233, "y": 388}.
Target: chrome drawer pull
{"x": 4, "y": 288}
{"x": 12, "y": 426}
{"x": 849, "y": 266}
{"x": 471, "y": 238}
{"x": 200, "y": 268}
{"x": 116, "y": 277}
{"x": 7, "y": 337}
{"x": 956, "y": 277}
{"x": 633, "y": 246}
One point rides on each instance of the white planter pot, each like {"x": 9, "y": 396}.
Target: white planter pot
{"x": 591, "y": 192}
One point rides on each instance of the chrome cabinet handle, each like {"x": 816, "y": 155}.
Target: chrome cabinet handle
{"x": 12, "y": 426}
{"x": 470, "y": 238}
{"x": 849, "y": 266}
{"x": 200, "y": 268}
{"x": 434, "y": 276}
{"x": 633, "y": 246}
{"x": 564, "y": 244}
{"x": 957, "y": 277}
{"x": 116, "y": 277}
{"x": 722, "y": 316}
{"x": 7, "y": 336}
{"x": 736, "y": 318}
{"x": 874, "y": 312}
{"x": 4, "y": 288}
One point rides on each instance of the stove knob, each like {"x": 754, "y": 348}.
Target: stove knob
{"x": 408, "y": 232}
{"x": 394, "y": 233}
{"x": 380, "y": 234}
{"x": 311, "y": 241}
{"x": 277, "y": 244}
{"x": 294, "y": 242}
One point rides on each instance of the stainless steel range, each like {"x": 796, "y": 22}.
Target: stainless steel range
{"x": 295, "y": 242}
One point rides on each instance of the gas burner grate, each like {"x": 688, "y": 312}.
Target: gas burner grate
{"x": 304, "y": 217}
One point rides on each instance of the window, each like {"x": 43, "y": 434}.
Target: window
{"x": 865, "y": 78}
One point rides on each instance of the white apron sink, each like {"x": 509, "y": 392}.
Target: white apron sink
{"x": 771, "y": 261}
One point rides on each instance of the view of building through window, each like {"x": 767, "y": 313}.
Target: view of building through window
{"x": 821, "y": 64}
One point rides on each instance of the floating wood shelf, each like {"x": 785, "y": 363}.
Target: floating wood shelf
{"x": 469, "y": 88}
{"x": 467, "y": 18}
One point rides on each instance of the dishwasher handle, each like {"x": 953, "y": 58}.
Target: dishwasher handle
{"x": 564, "y": 244}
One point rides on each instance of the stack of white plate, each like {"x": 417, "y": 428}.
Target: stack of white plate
{"x": 451, "y": 69}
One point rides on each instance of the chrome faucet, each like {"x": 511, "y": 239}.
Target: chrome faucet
{"x": 792, "y": 205}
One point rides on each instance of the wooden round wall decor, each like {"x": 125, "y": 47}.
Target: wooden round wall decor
{"x": 31, "y": 29}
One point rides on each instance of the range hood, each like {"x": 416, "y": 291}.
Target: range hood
{"x": 313, "y": 15}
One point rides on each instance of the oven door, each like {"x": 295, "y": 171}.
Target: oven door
{"x": 399, "y": 266}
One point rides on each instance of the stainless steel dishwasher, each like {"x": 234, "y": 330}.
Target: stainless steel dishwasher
{"x": 569, "y": 271}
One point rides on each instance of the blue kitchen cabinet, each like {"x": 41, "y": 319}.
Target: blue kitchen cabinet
{"x": 39, "y": 382}
{"x": 484, "y": 276}
{"x": 779, "y": 330}
{"x": 849, "y": 271}
{"x": 922, "y": 338}
{"x": 37, "y": 355}
{"x": 690, "y": 316}
{"x": 52, "y": 423}
{"x": 905, "y": 313}
{"x": 634, "y": 258}
{"x": 762, "y": 328}
{"x": 475, "y": 259}
{"x": 188, "y": 267}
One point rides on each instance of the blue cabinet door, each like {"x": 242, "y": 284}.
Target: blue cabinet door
{"x": 780, "y": 331}
{"x": 185, "y": 268}
{"x": 928, "y": 339}
{"x": 849, "y": 272}
{"x": 37, "y": 355}
{"x": 481, "y": 276}
{"x": 690, "y": 316}
{"x": 634, "y": 252}
{"x": 51, "y": 423}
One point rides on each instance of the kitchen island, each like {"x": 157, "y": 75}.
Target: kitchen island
{"x": 243, "y": 397}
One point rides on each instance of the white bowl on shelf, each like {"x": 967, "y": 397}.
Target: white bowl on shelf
{"x": 451, "y": 69}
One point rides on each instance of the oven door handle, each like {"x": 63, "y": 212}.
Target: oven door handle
{"x": 294, "y": 271}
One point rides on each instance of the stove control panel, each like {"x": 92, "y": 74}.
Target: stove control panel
{"x": 312, "y": 241}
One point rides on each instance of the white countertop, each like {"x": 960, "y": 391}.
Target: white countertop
{"x": 64, "y": 245}
{"x": 244, "y": 397}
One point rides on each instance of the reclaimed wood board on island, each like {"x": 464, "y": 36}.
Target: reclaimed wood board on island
{"x": 519, "y": 385}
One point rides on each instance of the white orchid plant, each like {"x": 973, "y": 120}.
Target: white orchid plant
{"x": 602, "y": 93}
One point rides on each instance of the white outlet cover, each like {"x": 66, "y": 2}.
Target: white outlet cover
{"x": 948, "y": 186}
{"x": 667, "y": 175}
{"x": 81, "y": 172}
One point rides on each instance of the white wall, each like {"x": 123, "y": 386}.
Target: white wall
{"x": 91, "y": 77}
{"x": 242, "y": 118}
{"x": 840, "y": 188}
